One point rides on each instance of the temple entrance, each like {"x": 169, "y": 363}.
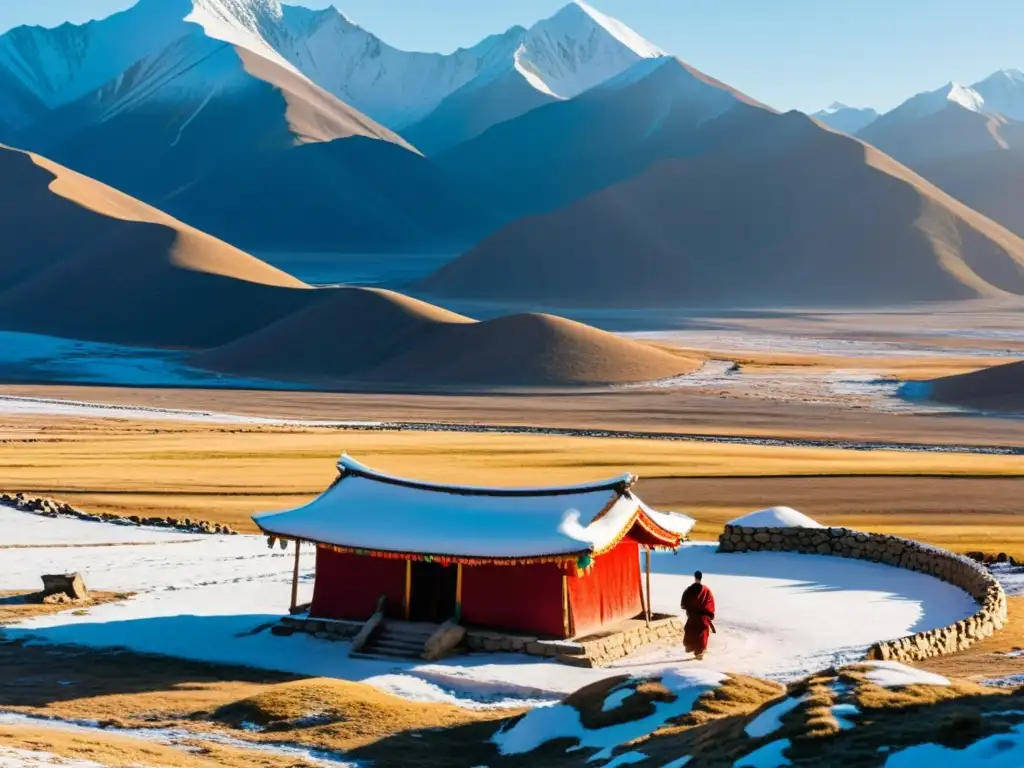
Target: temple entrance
{"x": 432, "y": 597}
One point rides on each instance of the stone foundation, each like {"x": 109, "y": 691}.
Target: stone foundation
{"x": 52, "y": 508}
{"x": 323, "y": 629}
{"x": 954, "y": 569}
{"x": 596, "y": 651}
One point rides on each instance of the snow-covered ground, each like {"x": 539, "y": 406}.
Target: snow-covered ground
{"x": 23, "y": 758}
{"x": 213, "y": 598}
{"x": 52, "y": 407}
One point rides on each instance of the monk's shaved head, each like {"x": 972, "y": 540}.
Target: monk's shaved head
{"x": 697, "y": 575}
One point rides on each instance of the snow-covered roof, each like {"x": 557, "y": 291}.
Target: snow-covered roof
{"x": 776, "y": 517}
{"x": 369, "y": 510}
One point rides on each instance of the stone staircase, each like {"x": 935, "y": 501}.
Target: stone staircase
{"x": 397, "y": 640}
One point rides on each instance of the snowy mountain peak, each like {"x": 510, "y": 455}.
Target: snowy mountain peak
{"x": 59, "y": 65}
{"x": 615, "y": 28}
{"x": 843, "y": 117}
{"x": 578, "y": 48}
{"x": 966, "y": 97}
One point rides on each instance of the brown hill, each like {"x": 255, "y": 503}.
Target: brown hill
{"x": 372, "y": 337}
{"x": 1000, "y": 388}
{"x": 786, "y": 213}
{"x": 82, "y": 260}
{"x": 990, "y": 182}
{"x": 197, "y": 106}
{"x": 949, "y": 132}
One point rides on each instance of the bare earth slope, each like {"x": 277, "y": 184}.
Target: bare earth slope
{"x": 380, "y": 338}
{"x": 990, "y": 182}
{"x": 356, "y": 195}
{"x": 950, "y": 132}
{"x": 1000, "y": 388}
{"x": 242, "y": 147}
{"x": 561, "y": 152}
{"x": 80, "y": 259}
{"x": 151, "y": 133}
{"x": 788, "y": 213}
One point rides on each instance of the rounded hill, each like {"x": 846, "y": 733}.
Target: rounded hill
{"x": 372, "y": 338}
{"x": 999, "y": 388}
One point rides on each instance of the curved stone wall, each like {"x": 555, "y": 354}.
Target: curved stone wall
{"x": 955, "y": 569}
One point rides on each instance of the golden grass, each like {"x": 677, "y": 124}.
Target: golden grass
{"x": 13, "y": 610}
{"x": 336, "y": 714}
{"x": 118, "y": 751}
{"x": 225, "y": 474}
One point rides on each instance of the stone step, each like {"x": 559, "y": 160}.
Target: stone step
{"x": 391, "y": 642}
{"x": 384, "y": 650}
{"x": 381, "y": 656}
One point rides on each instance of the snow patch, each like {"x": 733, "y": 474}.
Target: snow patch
{"x": 842, "y": 713}
{"x": 540, "y": 726}
{"x": 626, "y": 758}
{"x": 769, "y": 721}
{"x": 768, "y": 756}
{"x": 776, "y": 517}
{"x": 1004, "y": 750}
{"x": 892, "y": 674}
{"x": 616, "y": 699}
{"x": 1010, "y": 577}
{"x": 23, "y": 758}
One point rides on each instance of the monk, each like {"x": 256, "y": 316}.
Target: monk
{"x": 699, "y": 604}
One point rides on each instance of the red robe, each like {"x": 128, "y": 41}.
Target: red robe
{"x": 699, "y": 604}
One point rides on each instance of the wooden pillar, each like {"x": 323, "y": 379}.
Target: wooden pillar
{"x": 295, "y": 578}
{"x": 458, "y": 592}
{"x": 566, "y": 620}
{"x": 407, "y": 600}
{"x": 647, "y": 568}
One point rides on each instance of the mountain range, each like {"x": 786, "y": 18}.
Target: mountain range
{"x": 571, "y": 162}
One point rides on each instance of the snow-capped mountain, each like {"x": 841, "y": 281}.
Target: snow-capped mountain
{"x": 846, "y": 118}
{"x": 59, "y": 65}
{"x": 1002, "y": 93}
{"x": 440, "y": 100}
{"x": 556, "y": 59}
{"x": 999, "y": 95}
{"x": 392, "y": 86}
{"x": 578, "y": 48}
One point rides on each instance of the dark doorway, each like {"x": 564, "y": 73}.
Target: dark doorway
{"x": 432, "y": 597}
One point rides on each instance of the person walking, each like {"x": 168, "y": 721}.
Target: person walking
{"x": 699, "y": 604}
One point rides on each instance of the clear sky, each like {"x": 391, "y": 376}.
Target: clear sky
{"x": 800, "y": 54}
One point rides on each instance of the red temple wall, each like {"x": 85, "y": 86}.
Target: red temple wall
{"x": 609, "y": 592}
{"x": 523, "y": 598}
{"x": 347, "y": 586}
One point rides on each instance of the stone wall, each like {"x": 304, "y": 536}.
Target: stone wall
{"x": 957, "y": 570}
{"x": 39, "y": 505}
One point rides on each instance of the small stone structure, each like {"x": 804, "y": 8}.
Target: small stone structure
{"x": 958, "y": 570}
{"x": 52, "y": 508}
{"x": 596, "y": 651}
{"x": 70, "y": 585}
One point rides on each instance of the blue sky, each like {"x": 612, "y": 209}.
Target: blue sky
{"x": 799, "y": 54}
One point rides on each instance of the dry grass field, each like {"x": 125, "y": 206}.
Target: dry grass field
{"x": 226, "y": 473}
